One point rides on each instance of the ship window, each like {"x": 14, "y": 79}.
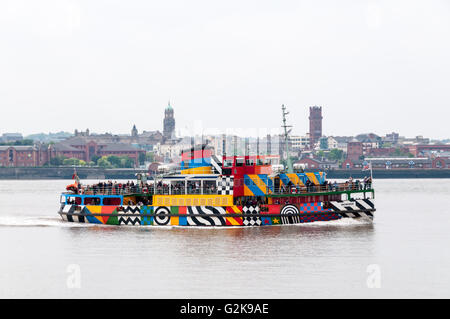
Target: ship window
{"x": 91, "y": 201}
{"x": 72, "y": 200}
{"x": 111, "y": 201}
{"x": 239, "y": 162}
{"x": 228, "y": 163}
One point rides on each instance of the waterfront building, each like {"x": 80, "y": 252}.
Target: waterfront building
{"x": 23, "y": 156}
{"x": 398, "y": 163}
{"x": 425, "y": 149}
{"x": 85, "y": 148}
{"x": 146, "y": 140}
{"x": 312, "y": 163}
{"x": 299, "y": 143}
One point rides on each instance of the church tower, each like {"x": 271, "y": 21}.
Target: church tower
{"x": 169, "y": 123}
{"x": 134, "y": 131}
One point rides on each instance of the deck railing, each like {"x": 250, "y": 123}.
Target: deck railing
{"x": 335, "y": 187}
{"x": 164, "y": 190}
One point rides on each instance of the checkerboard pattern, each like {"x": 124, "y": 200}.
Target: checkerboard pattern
{"x": 251, "y": 220}
{"x": 312, "y": 207}
{"x": 225, "y": 185}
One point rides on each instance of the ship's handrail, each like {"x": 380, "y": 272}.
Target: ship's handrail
{"x": 337, "y": 187}
{"x": 147, "y": 190}
{"x": 282, "y": 190}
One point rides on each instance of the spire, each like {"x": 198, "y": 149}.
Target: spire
{"x": 169, "y": 107}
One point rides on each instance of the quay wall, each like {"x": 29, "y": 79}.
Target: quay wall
{"x": 393, "y": 173}
{"x": 67, "y": 173}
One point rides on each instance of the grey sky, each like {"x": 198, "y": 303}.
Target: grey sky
{"x": 377, "y": 66}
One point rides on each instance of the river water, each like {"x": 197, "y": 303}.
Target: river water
{"x": 404, "y": 253}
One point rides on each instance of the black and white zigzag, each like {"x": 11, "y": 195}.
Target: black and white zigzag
{"x": 354, "y": 209}
{"x": 291, "y": 214}
{"x": 129, "y": 220}
{"x": 131, "y": 210}
{"x": 225, "y": 185}
{"x": 210, "y": 216}
{"x": 251, "y": 220}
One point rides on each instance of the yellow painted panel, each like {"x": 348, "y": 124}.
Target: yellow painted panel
{"x": 193, "y": 200}
{"x": 96, "y": 210}
{"x": 197, "y": 170}
{"x": 174, "y": 221}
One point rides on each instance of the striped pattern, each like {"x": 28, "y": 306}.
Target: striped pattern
{"x": 210, "y": 216}
{"x": 257, "y": 185}
{"x": 233, "y": 221}
{"x": 354, "y": 208}
{"x": 291, "y": 213}
{"x": 216, "y": 164}
{"x": 300, "y": 179}
{"x": 219, "y": 215}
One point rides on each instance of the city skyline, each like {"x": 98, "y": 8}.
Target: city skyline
{"x": 198, "y": 130}
{"x": 374, "y": 66}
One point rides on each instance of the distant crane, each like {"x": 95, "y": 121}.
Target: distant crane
{"x": 287, "y": 131}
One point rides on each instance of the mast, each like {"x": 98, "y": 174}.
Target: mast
{"x": 287, "y": 130}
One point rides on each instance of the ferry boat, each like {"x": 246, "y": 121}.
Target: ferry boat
{"x": 208, "y": 190}
{"x": 211, "y": 191}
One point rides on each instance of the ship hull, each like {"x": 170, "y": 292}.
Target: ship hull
{"x": 216, "y": 216}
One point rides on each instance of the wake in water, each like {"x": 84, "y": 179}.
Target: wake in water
{"x": 24, "y": 221}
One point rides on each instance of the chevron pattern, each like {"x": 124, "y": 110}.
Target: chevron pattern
{"x": 129, "y": 220}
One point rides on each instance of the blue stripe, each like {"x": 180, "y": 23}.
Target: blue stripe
{"x": 303, "y": 177}
{"x": 252, "y": 187}
{"x": 285, "y": 179}
{"x": 200, "y": 162}
{"x": 319, "y": 178}
{"x": 267, "y": 181}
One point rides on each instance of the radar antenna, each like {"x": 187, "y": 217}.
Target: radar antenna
{"x": 287, "y": 131}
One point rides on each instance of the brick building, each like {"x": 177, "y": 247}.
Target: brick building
{"x": 354, "y": 150}
{"x": 38, "y": 155}
{"x": 423, "y": 149}
{"x": 85, "y": 149}
{"x": 315, "y": 125}
{"x": 19, "y": 156}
